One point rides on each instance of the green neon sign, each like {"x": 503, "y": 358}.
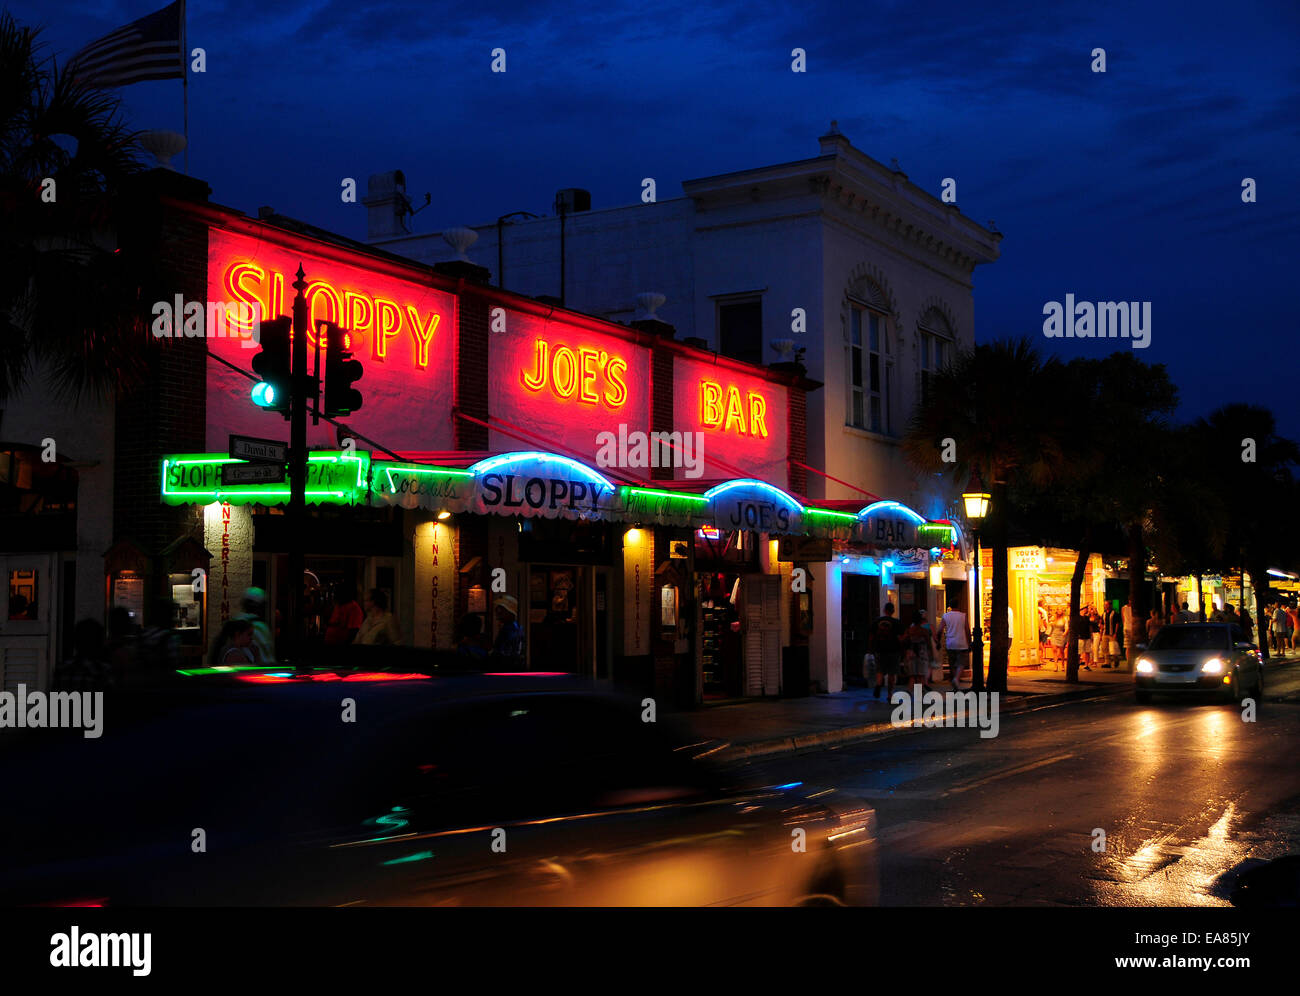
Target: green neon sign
{"x": 334, "y": 477}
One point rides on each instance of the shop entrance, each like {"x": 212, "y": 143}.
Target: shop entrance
{"x": 324, "y": 580}
{"x": 26, "y": 631}
{"x": 913, "y": 594}
{"x": 859, "y": 606}
{"x": 721, "y": 656}
{"x": 560, "y": 619}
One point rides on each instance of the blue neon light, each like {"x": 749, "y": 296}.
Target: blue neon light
{"x": 892, "y": 506}
{"x": 506, "y": 459}
{"x": 761, "y": 485}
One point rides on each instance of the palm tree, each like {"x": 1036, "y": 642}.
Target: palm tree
{"x": 1249, "y": 465}
{"x": 996, "y": 402}
{"x": 70, "y": 302}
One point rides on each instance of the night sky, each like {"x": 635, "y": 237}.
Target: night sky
{"x": 1117, "y": 186}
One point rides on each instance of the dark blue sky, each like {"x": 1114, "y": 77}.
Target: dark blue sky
{"x": 1117, "y": 186}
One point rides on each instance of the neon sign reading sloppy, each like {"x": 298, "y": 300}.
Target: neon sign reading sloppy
{"x": 572, "y": 373}
{"x": 359, "y": 313}
{"x": 745, "y": 419}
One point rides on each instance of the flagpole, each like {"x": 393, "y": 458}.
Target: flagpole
{"x": 185, "y": 86}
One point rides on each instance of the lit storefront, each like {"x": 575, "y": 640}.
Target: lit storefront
{"x": 627, "y": 490}
{"x": 1037, "y": 576}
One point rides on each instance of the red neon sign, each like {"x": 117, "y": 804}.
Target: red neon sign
{"x": 722, "y": 408}
{"x": 244, "y": 281}
{"x": 401, "y": 328}
{"x": 592, "y": 376}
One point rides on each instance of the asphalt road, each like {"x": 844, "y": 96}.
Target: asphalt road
{"x": 1187, "y": 795}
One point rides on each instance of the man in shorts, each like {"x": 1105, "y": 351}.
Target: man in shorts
{"x": 954, "y": 637}
{"x": 887, "y": 646}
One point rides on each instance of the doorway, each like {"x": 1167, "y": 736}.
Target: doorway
{"x": 27, "y": 633}
{"x": 859, "y": 606}
{"x": 558, "y": 619}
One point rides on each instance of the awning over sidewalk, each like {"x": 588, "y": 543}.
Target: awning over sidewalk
{"x": 537, "y": 484}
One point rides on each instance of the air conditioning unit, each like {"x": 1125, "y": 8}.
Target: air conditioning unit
{"x": 571, "y": 200}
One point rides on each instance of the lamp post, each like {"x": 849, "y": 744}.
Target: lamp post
{"x": 976, "y": 500}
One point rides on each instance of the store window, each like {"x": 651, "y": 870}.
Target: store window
{"x": 937, "y": 348}
{"x": 869, "y": 362}
{"x": 740, "y": 329}
{"x": 24, "y": 595}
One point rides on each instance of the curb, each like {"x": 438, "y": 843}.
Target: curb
{"x": 1024, "y": 702}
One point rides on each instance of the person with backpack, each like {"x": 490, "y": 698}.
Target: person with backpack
{"x": 887, "y": 646}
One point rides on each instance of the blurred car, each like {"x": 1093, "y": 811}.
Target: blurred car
{"x": 511, "y": 790}
{"x": 1205, "y": 658}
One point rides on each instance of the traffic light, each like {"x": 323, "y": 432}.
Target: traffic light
{"x": 341, "y": 371}
{"x": 273, "y": 364}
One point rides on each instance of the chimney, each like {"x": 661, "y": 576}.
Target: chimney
{"x": 387, "y": 206}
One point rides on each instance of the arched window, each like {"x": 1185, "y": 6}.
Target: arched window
{"x": 868, "y": 359}
{"x": 937, "y": 343}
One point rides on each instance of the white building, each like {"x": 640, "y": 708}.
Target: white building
{"x": 836, "y": 255}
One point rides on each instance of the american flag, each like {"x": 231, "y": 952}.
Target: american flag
{"x": 147, "y": 49}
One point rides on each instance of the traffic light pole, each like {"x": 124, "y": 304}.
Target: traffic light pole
{"x": 297, "y": 629}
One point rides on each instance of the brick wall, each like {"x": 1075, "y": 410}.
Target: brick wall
{"x": 168, "y": 413}
{"x": 471, "y": 372}
{"x": 797, "y": 421}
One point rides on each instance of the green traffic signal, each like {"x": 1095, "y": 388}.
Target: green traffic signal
{"x": 263, "y": 395}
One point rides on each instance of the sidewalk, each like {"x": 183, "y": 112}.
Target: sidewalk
{"x": 760, "y": 727}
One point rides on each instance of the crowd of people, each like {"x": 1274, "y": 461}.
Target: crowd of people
{"x": 903, "y": 656}
{"x": 911, "y": 656}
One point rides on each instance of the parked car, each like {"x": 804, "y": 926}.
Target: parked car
{"x": 1200, "y": 658}
{"x": 373, "y": 790}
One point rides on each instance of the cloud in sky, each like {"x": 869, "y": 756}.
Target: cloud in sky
{"x": 1117, "y": 185}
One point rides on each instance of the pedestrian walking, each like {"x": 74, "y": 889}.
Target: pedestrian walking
{"x": 345, "y": 620}
{"x": 470, "y": 637}
{"x": 1058, "y": 639}
{"x": 508, "y": 651}
{"x": 1154, "y": 625}
{"x": 233, "y": 645}
{"x": 887, "y": 647}
{"x": 1292, "y": 626}
{"x": 380, "y": 627}
{"x": 917, "y": 658}
{"x": 255, "y": 612}
{"x": 954, "y": 636}
{"x": 1083, "y": 636}
{"x": 1278, "y": 628}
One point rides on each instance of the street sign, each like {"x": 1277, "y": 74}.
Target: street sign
{"x": 252, "y": 473}
{"x": 259, "y": 450}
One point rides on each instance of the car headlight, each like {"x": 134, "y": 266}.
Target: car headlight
{"x": 1145, "y": 666}
{"x": 1213, "y": 666}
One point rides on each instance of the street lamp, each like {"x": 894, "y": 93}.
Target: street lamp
{"x": 976, "y": 500}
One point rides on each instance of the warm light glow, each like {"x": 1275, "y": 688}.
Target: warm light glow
{"x": 573, "y": 373}
{"x": 722, "y": 408}
{"x": 444, "y": 515}
{"x": 977, "y": 505}
{"x": 246, "y": 282}
{"x": 632, "y": 537}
